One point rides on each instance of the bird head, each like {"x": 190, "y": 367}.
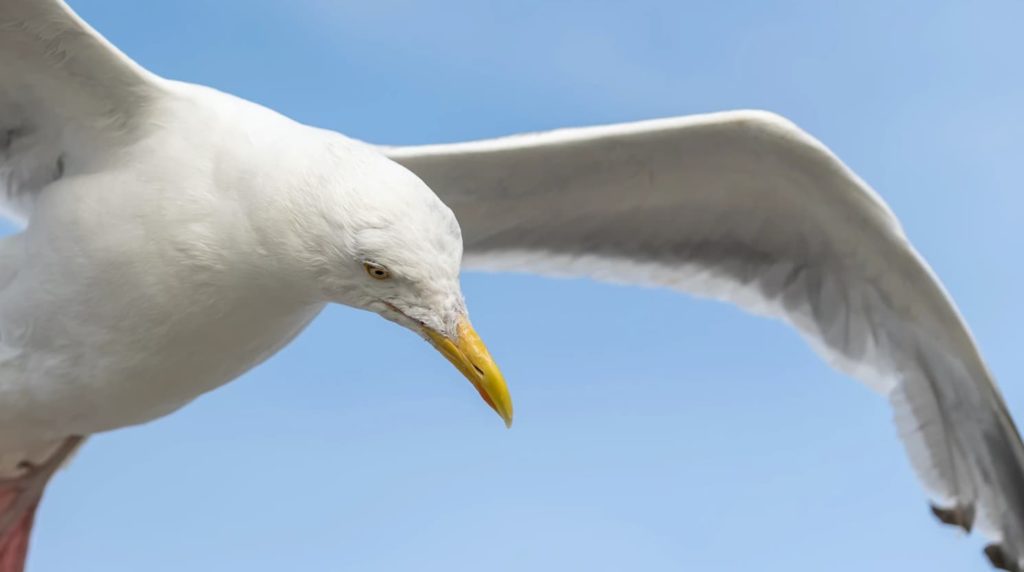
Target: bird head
{"x": 390, "y": 246}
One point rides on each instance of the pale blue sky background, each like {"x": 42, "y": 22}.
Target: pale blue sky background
{"x": 654, "y": 432}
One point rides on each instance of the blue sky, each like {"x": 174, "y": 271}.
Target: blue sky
{"x": 654, "y": 432}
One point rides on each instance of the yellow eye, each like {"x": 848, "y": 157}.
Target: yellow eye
{"x": 376, "y": 271}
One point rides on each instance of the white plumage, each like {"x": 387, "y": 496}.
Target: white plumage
{"x": 156, "y": 231}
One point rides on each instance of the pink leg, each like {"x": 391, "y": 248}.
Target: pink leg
{"x": 19, "y": 497}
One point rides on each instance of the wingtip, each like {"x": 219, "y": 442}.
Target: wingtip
{"x": 998, "y": 558}
{"x": 961, "y": 516}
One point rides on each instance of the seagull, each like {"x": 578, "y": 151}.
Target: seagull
{"x": 174, "y": 236}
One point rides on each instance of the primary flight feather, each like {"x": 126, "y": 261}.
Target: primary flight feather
{"x": 176, "y": 236}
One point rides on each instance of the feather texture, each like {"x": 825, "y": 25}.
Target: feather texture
{"x": 746, "y": 207}
{"x": 66, "y": 96}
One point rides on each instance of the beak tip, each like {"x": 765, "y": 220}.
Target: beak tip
{"x": 503, "y": 406}
{"x": 470, "y": 356}
{"x": 504, "y": 411}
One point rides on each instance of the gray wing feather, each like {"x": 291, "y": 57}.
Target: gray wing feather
{"x": 746, "y": 207}
{"x": 67, "y": 98}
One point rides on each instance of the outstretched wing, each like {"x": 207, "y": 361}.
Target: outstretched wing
{"x": 67, "y": 98}
{"x": 746, "y": 207}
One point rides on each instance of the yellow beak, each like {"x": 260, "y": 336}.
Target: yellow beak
{"x": 469, "y": 354}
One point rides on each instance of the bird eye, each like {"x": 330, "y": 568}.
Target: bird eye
{"x": 376, "y": 271}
